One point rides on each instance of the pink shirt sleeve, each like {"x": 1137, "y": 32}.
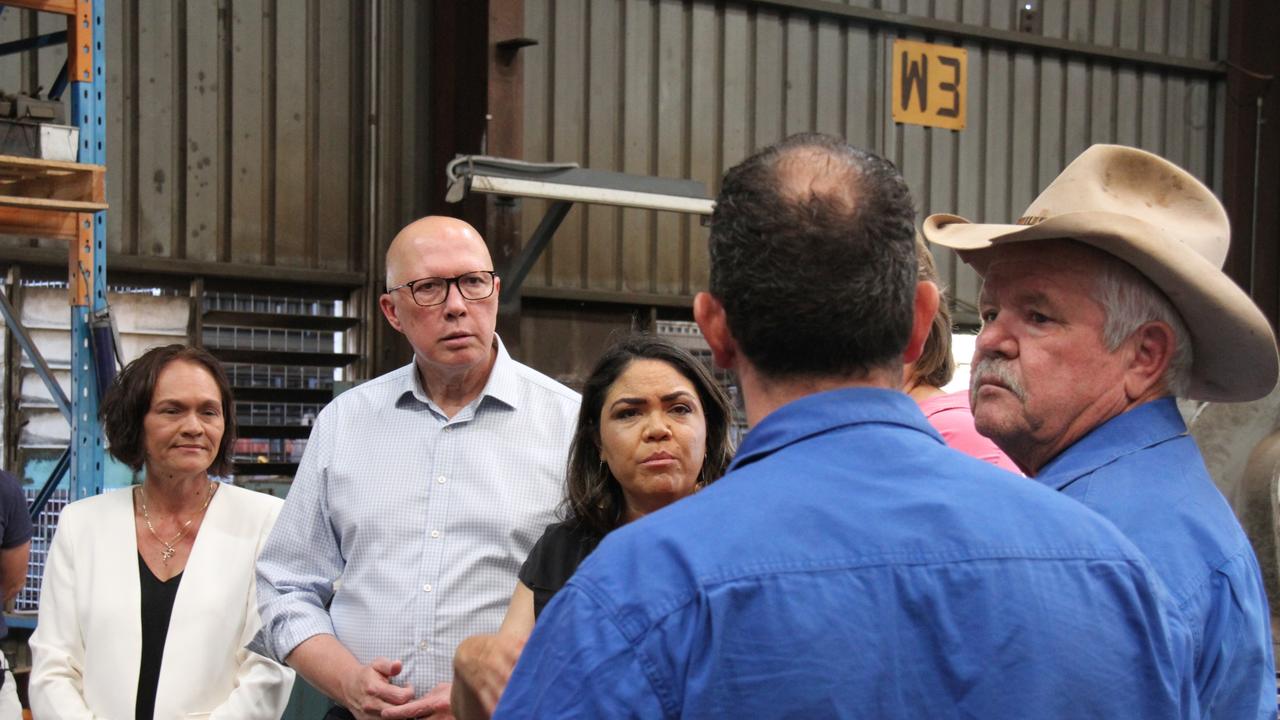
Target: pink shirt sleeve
{"x": 951, "y": 417}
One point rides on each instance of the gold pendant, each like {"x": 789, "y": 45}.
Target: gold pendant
{"x": 167, "y": 553}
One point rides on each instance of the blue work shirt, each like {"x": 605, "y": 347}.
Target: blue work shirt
{"x": 851, "y": 565}
{"x": 1144, "y": 473}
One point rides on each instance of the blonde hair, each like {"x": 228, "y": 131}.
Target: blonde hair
{"x": 935, "y": 366}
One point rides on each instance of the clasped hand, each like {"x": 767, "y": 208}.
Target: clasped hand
{"x": 370, "y": 695}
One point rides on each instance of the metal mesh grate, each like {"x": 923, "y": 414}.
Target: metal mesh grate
{"x": 28, "y": 599}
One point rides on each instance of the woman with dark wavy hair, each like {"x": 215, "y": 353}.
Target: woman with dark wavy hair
{"x": 148, "y": 597}
{"x": 653, "y": 428}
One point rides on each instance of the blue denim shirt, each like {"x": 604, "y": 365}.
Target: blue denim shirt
{"x": 1144, "y": 473}
{"x": 851, "y": 565}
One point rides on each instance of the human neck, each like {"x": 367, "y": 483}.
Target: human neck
{"x": 1032, "y": 458}
{"x": 921, "y": 392}
{"x": 173, "y": 494}
{"x": 452, "y": 391}
{"x": 762, "y": 395}
{"x": 636, "y": 509}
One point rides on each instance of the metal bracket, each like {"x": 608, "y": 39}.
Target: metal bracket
{"x": 33, "y": 43}
{"x": 51, "y": 484}
{"x": 514, "y": 277}
{"x": 59, "y": 84}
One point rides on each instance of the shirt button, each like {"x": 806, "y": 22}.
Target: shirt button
{"x": 440, "y": 479}
{"x": 435, "y": 533}
{"x": 426, "y": 588}
{"x": 422, "y": 645}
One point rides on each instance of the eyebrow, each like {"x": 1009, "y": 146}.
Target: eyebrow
{"x": 1024, "y": 297}
{"x": 639, "y": 400}
{"x": 183, "y": 403}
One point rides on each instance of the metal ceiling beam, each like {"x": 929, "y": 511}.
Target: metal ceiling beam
{"x": 1008, "y": 38}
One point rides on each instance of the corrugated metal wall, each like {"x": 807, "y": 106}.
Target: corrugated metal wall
{"x": 239, "y": 130}
{"x": 686, "y": 88}
{"x": 234, "y": 130}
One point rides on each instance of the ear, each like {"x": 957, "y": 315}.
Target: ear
{"x": 1152, "y": 346}
{"x": 926, "y": 306}
{"x": 709, "y": 314}
{"x": 389, "y": 311}
{"x": 497, "y": 287}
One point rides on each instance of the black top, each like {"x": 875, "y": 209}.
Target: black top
{"x": 559, "y": 552}
{"x": 157, "y": 606}
{"x": 15, "y": 523}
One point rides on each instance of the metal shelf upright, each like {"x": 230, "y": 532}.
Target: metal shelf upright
{"x": 89, "y": 302}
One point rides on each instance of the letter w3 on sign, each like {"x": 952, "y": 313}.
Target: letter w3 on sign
{"x": 929, "y": 84}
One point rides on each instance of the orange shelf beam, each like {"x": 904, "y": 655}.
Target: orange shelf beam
{"x": 61, "y": 7}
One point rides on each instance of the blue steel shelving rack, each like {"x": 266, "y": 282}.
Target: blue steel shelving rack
{"x": 91, "y": 358}
{"x": 83, "y": 222}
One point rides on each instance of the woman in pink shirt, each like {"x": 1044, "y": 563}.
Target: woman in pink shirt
{"x": 923, "y": 380}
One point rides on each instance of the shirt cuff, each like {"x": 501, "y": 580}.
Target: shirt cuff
{"x": 290, "y": 629}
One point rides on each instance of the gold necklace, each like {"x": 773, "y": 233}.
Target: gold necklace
{"x": 170, "y": 547}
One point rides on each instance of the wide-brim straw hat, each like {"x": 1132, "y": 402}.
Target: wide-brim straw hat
{"x": 1164, "y": 222}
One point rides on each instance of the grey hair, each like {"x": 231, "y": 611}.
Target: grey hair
{"x": 1130, "y": 300}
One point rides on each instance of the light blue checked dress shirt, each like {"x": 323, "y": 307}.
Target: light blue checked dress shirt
{"x": 410, "y": 527}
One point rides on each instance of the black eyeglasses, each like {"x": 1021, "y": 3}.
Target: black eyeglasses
{"x": 430, "y": 291}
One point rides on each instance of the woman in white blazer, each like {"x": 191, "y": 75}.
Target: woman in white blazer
{"x": 148, "y": 594}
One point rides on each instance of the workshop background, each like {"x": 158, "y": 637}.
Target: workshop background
{"x": 260, "y": 155}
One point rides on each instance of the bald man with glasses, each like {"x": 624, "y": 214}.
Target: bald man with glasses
{"x": 419, "y": 495}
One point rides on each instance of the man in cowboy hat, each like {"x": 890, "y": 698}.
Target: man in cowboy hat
{"x": 1102, "y": 303}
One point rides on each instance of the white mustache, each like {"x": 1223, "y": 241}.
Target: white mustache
{"x": 998, "y": 370}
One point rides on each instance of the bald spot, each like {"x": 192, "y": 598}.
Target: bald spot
{"x": 427, "y": 236}
{"x": 807, "y": 173}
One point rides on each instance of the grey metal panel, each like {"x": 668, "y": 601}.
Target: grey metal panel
{"x": 234, "y": 129}
{"x": 604, "y": 95}
{"x": 686, "y": 88}
{"x": 673, "y": 110}
{"x": 568, "y": 137}
{"x": 402, "y": 54}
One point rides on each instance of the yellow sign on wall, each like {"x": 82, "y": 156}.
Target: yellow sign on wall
{"x": 929, "y": 84}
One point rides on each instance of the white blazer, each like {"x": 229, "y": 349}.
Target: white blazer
{"x": 87, "y": 646}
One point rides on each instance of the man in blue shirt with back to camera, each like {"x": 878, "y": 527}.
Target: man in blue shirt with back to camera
{"x": 850, "y": 564}
{"x": 1101, "y": 304}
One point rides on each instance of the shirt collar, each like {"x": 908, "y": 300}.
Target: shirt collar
{"x": 1148, "y": 424}
{"x": 503, "y": 384}
{"x": 826, "y": 411}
